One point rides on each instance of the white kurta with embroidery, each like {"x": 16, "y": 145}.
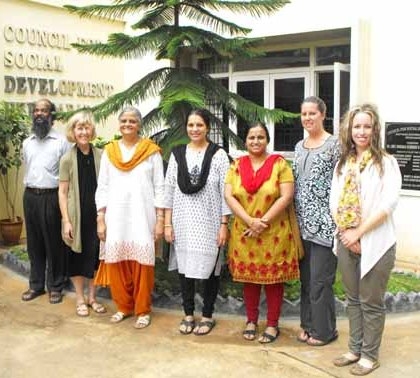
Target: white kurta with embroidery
{"x": 196, "y": 217}
{"x": 130, "y": 199}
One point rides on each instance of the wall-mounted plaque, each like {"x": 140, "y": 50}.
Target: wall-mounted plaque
{"x": 402, "y": 140}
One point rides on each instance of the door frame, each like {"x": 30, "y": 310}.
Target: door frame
{"x": 269, "y": 87}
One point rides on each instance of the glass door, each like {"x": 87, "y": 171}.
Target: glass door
{"x": 341, "y": 93}
{"x": 255, "y": 89}
{"x": 287, "y": 93}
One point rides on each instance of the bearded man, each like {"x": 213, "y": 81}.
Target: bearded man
{"x": 42, "y": 151}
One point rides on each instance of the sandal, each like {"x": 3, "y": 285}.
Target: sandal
{"x": 303, "y": 336}
{"x": 316, "y": 342}
{"x": 249, "y": 334}
{"x": 142, "y": 321}
{"x": 360, "y": 369}
{"x": 97, "y": 307}
{"x": 56, "y": 297}
{"x": 204, "y": 323}
{"x": 186, "y": 326}
{"x": 117, "y": 317}
{"x": 346, "y": 359}
{"x": 30, "y": 294}
{"x": 267, "y": 338}
{"x": 82, "y": 309}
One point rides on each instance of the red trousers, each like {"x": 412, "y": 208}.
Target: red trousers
{"x": 274, "y": 296}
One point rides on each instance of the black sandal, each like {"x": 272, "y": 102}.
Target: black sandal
{"x": 30, "y": 294}
{"x": 189, "y": 326}
{"x": 268, "y": 337}
{"x": 56, "y": 297}
{"x": 250, "y": 334}
{"x": 204, "y": 323}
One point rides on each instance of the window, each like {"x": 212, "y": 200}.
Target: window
{"x": 330, "y": 54}
{"x": 275, "y": 59}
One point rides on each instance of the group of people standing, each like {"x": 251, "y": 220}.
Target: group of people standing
{"x": 281, "y": 221}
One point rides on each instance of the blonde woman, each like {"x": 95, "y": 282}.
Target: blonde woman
{"x": 364, "y": 195}
{"x": 79, "y": 169}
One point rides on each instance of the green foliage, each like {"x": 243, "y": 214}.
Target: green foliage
{"x": 101, "y": 142}
{"x": 14, "y": 128}
{"x": 181, "y": 88}
{"x": 168, "y": 282}
{"x": 20, "y": 252}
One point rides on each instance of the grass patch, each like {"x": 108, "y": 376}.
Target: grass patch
{"x": 168, "y": 281}
{"x": 398, "y": 282}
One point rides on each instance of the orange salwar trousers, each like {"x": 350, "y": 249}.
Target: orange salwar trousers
{"x": 131, "y": 285}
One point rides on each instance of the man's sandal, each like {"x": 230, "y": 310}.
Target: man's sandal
{"x": 30, "y": 294}
{"x": 56, "y": 297}
{"x": 346, "y": 359}
{"x": 360, "y": 369}
{"x": 142, "y": 321}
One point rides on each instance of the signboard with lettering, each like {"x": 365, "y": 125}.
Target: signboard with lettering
{"x": 402, "y": 140}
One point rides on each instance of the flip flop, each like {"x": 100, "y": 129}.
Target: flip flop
{"x": 204, "y": 323}
{"x": 189, "y": 326}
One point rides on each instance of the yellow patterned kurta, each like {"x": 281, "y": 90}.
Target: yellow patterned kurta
{"x": 273, "y": 256}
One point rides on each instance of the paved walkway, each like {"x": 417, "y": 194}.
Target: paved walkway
{"x": 42, "y": 340}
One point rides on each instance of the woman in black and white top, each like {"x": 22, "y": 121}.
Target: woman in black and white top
{"x": 315, "y": 159}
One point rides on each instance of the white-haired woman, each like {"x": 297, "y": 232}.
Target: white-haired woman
{"x": 79, "y": 169}
{"x": 129, "y": 201}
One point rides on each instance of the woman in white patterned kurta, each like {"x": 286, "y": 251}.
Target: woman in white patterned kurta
{"x": 196, "y": 218}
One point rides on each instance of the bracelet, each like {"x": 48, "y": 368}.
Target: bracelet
{"x": 226, "y": 223}
{"x": 99, "y": 213}
{"x": 167, "y": 225}
{"x": 160, "y": 216}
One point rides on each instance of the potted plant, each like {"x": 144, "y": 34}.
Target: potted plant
{"x": 14, "y": 128}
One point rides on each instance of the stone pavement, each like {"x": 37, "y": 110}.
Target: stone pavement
{"x": 42, "y": 340}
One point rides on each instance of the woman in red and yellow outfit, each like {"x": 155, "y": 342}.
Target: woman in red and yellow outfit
{"x": 129, "y": 200}
{"x": 264, "y": 246}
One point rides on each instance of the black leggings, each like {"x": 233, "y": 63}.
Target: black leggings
{"x": 211, "y": 288}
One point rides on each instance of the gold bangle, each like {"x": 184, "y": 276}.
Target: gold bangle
{"x": 167, "y": 225}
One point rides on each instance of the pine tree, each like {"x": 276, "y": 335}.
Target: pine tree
{"x": 181, "y": 87}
